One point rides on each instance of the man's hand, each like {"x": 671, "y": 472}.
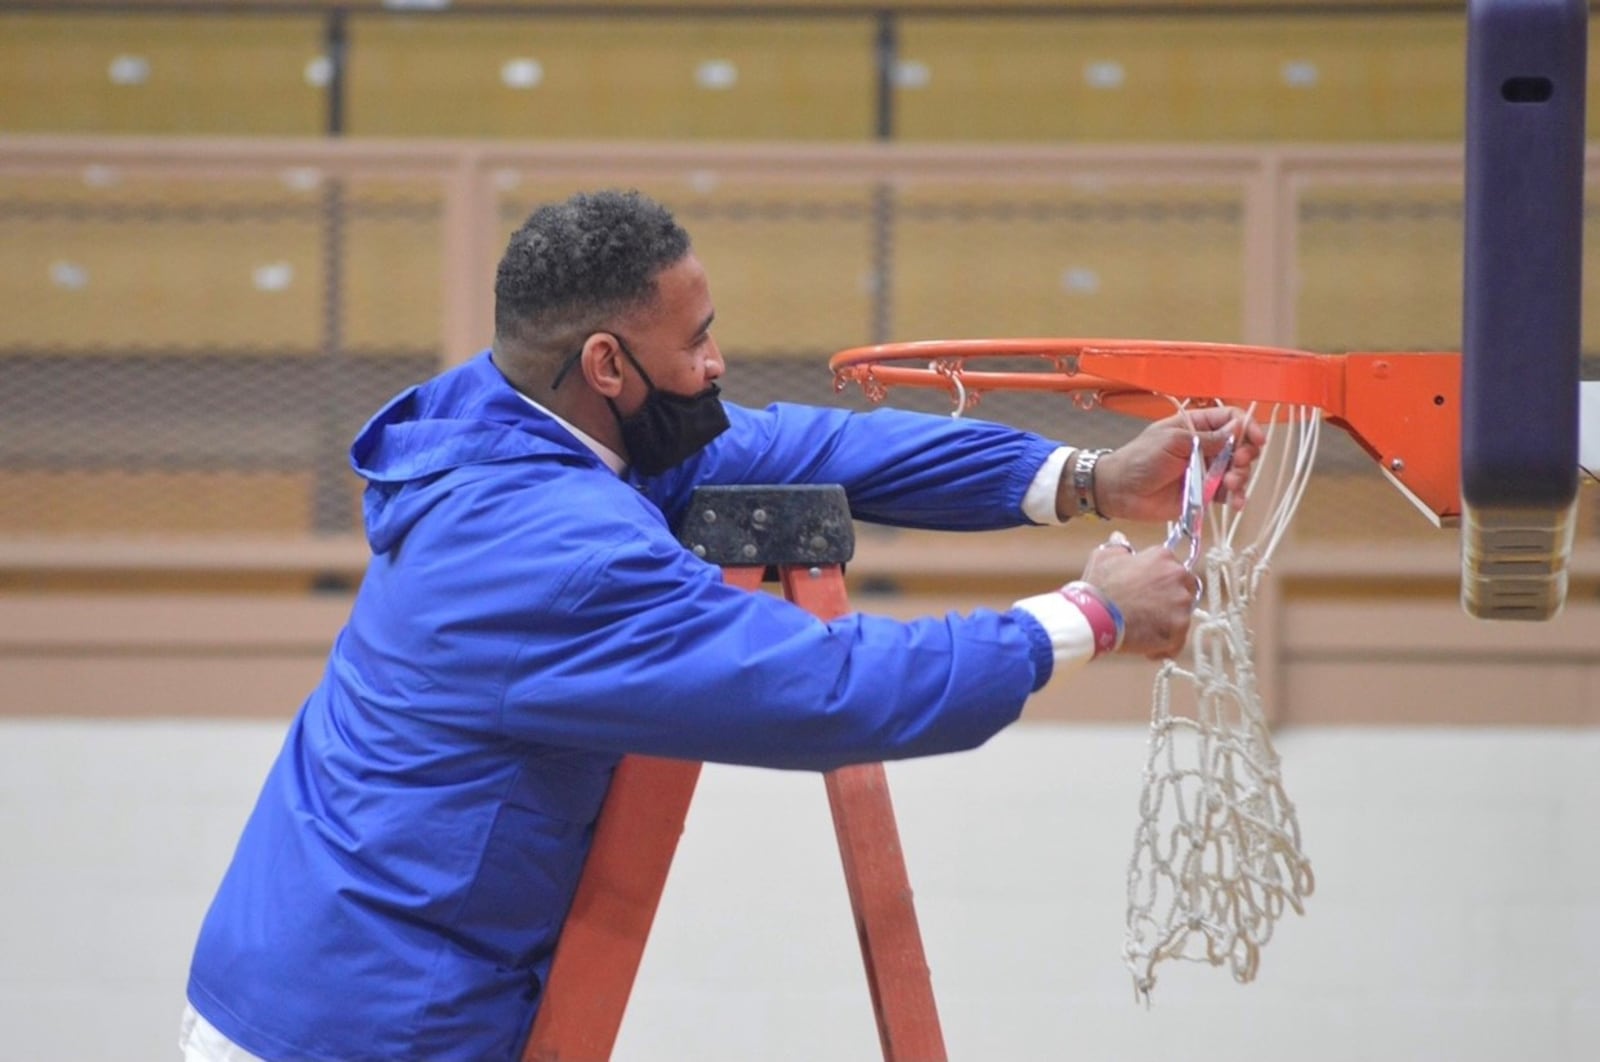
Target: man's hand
{"x": 1140, "y": 480}
{"x": 1154, "y": 592}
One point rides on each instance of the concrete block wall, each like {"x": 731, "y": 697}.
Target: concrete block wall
{"x": 1456, "y": 917}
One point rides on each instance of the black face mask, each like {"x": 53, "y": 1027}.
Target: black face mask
{"x": 668, "y": 428}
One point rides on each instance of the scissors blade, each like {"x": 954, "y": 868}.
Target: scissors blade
{"x": 1194, "y": 492}
{"x": 1192, "y": 506}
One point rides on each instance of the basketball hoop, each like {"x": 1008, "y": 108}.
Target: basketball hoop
{"x": 1217, "y": 854}
{"x": 1403, "y": 409}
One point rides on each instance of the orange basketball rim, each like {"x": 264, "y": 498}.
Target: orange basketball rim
{"x": 1402, "y": 408}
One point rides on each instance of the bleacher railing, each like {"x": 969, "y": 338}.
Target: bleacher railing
{"x": 192, "y": 330}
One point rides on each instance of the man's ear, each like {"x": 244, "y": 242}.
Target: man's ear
{"x": 602, "y": 364}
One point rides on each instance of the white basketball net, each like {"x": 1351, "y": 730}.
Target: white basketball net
{"x": 1216, "y": 857}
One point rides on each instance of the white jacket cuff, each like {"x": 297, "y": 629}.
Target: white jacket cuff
{"x": 1039, "y": 503}
{"x": 1071, "y": 637}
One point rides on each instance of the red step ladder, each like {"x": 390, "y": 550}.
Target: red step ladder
{"x": 803, "y": 535}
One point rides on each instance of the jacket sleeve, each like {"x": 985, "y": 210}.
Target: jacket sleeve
{"x": 646, "y": 650}
{"x": 900, "y": 468}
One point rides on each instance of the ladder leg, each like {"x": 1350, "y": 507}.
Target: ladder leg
{"x": 603, "y": 940}
{"x": 602, "y": 943}
{"x": 875, "y": 871}
{"x": 636, "y": 836}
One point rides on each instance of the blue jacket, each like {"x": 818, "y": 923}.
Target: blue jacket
{"x": 526, "y": 619}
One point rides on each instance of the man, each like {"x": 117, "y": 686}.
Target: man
{"x": 528, "y": 617}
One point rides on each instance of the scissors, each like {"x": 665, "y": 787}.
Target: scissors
{"x": 1200, "y": 485}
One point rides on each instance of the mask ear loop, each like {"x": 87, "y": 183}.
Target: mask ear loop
{"x": 566, "y": 367}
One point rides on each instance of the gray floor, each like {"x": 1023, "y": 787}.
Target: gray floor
{"x": 1456, "y": 916}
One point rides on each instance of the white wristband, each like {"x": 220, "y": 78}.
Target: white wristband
{"x": 1071, "y": 637}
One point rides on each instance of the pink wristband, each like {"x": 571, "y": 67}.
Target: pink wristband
{"x": 1097, "y": 612}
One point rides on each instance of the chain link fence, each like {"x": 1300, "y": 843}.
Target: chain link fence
{"x": 191, "y": 354}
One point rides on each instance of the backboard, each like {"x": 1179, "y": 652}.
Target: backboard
{"x": 1521, "y": 301}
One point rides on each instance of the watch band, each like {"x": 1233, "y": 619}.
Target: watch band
{"x": 1083, "y": 465}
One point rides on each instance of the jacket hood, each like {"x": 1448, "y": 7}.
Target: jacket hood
{"x": 468, "y": 415}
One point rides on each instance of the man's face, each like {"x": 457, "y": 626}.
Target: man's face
{"x": 672, "y": 336}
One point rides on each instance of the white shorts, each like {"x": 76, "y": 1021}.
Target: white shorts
{"x": 200, "y": 1041}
